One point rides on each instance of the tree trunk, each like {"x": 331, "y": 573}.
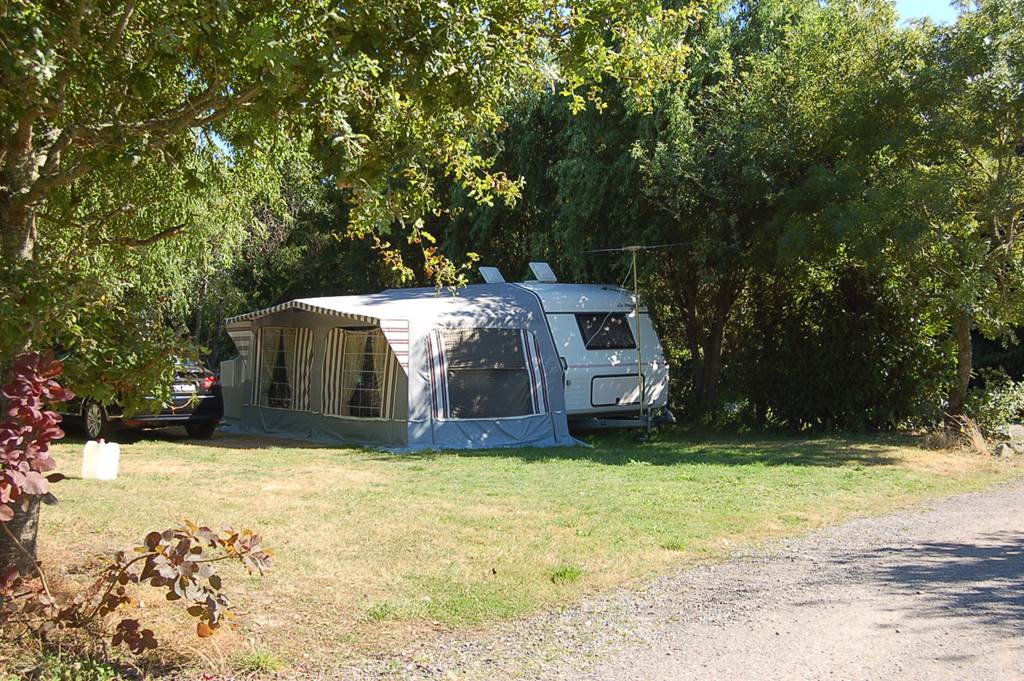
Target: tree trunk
{"x": 18, "y": 225}
{"x": 24, "y": 526}
{"x": 17, "y": 176}
{"x": 958, "y": 394}
{"x": 712, "y": 369}
{"x": 706, "y": 343}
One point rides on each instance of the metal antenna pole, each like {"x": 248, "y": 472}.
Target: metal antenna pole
{"x": 646, "y": 425}
{"x": 639, "y": 344}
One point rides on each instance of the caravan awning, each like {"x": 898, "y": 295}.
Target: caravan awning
{"x": 303, "y": 305}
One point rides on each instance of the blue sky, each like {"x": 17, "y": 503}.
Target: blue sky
{"x": 939, "y": 10}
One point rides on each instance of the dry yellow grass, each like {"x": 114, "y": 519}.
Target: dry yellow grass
{"x": 374, "y": 548}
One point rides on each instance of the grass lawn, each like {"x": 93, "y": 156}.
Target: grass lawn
{"x": 372, "y": 548}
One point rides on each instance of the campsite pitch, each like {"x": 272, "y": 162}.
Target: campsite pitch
{"x": 374, "y": 549}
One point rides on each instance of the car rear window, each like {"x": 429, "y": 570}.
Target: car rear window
{"x": 605, "y": 331}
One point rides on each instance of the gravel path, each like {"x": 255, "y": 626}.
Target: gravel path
{"x": 936, "y": 594}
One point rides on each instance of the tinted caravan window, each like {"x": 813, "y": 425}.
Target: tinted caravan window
{"x": 487, "y": 373}
{"x": 606, "y": 331}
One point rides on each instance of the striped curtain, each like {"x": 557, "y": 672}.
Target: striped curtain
{"x": 302, "y": 369}
{"x": 332, "y": 393}
{"x": 344, "y": 364}
{"x": 389, "y": 384}
{"x": 257, "y": 363}
{"x": 438, "y": 380}
{"x": 538, "y": 380}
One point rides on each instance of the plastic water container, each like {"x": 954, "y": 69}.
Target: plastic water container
{"x": 100, "y": 460}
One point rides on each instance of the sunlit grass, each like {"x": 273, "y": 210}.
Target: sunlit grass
{"x": 372, "y": 547}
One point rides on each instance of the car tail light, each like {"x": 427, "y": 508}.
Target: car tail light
{"x": 209, "y": 382}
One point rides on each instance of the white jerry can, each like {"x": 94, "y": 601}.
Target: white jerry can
{"x": 100, "y": 460}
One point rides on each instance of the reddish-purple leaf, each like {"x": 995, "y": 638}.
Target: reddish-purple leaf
{"x": 35, "y": 483}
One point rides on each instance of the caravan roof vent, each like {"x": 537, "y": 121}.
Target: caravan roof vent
{"x": 543, "y": 272}
{"x": 492, "y": 275}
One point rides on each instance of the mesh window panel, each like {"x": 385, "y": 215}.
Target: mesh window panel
{"x": 286, "y": 360}
{"x": 277, "y": 352}
{"x": 484, "y": 349}
{"x": 487, "y": 374}
{"x": 606, "y": 331}
{"x": 355, "y": 371}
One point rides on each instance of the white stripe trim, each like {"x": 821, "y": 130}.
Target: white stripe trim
{"x": 300, "y": 305}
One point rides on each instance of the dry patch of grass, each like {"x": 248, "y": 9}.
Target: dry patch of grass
{"x": 373, "y": 549}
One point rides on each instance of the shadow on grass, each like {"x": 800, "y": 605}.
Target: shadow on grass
{"x": 983, "y": 580}
{"x": 220, "y": 440}
{"x": 675, "y": 447}
{"x": 670, "y": 447}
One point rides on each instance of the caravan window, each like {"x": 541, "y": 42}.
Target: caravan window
{"x": 285, "y": 364}
{"x": 606, "y": 331}
{"x": 356, "y": 374}
{"x": 487, "y": 373}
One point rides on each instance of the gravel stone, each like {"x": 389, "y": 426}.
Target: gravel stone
{"x": 931, "y": 594}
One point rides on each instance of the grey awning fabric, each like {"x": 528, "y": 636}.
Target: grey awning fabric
{"x": 505, "y": 372}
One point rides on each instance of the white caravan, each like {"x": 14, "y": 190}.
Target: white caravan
{"x": 597, "y": 334}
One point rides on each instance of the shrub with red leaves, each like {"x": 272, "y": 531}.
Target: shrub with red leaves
{"x": 179, "y": 561}
{"x": 25, "y": 438}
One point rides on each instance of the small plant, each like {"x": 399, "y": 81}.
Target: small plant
{"x": 565, "y": 574}
{"x": 179, "y": 561}
{"x": 259, "y": 662}
{"x": 973, "y": 436}
{"x": 673, "y": 545}
{"x": 999, "y": 402}
{"x": 379, "y": 612}
{"x": 65, "y": 668}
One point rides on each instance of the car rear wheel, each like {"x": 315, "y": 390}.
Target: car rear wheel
{"x": 94, "y": 417}
{"x": 202, "y": 430}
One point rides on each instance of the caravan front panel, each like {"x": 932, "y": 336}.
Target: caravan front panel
{"x": 600, "y": 344}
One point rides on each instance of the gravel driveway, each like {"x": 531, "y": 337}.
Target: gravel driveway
{"x": 936, "y": 594}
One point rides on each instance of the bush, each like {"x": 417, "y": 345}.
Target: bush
{"x": 997, "y": 401}
{"x": 839, "y": 349}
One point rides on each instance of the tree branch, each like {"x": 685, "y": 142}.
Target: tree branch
{"x": 145, "y": 241}
{"x": 122, "y": 25}
{"x": 47, "y": 183}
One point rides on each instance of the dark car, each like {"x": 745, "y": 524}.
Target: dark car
{"x": 196, "y": 404}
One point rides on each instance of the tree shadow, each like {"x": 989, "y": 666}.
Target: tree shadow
{"x": 674, "y": 448}
{"x": 670, "y": 447}
{"x": 983, "y": 580}
{"x": 220, "y": 440}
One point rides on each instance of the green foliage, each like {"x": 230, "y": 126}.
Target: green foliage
{"x": 945, "y": 194}
{"x": 66, "y": 668}
{"x": 842, "y": 348}
{"x": 111, "y": 302}
{"x": 998, "y": 400}
{"x": 137, "y": 138}
{"x": 381, "y": 611}
{"x": 736, "y": 167}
